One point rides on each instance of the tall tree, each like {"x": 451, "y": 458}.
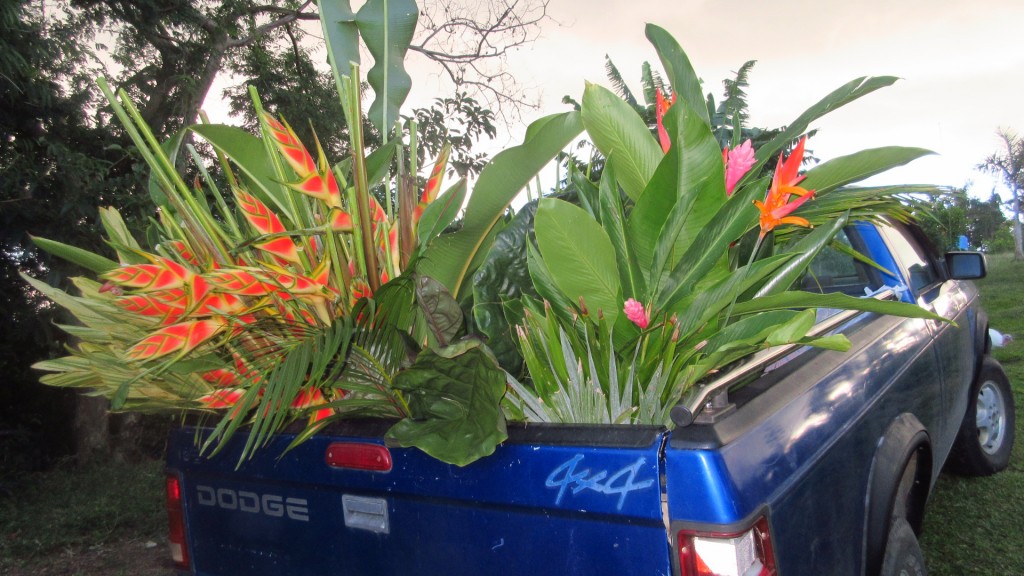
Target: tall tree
{"x": 1008, "y": 164}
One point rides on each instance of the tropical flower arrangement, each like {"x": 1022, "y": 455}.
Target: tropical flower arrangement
{"x": 282, "y": 291}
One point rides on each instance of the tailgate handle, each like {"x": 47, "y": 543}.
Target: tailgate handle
{"x": 364, "y": 513}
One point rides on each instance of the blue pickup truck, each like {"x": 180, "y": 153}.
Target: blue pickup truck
{"x": 797, "y": 462}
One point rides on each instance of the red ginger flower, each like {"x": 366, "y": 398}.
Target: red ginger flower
{"x": 777, "y": 207}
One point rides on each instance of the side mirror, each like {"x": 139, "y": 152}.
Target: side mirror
{"x": 966, "y": 265}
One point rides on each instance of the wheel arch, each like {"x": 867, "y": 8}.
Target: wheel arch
{"x": 982, "y": 341}
{"x": 904, "y": 442}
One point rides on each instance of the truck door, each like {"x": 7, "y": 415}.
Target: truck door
{"x": 920, "y": 266}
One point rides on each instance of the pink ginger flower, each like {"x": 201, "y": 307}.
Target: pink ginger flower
{"x": 737, "y": 162}
{"x": 636, "y": 313}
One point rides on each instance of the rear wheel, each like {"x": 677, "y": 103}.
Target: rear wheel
{"x": 986, "y": 437}
{"x": 903, "y": 555}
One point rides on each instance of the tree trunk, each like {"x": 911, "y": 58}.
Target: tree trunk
{"x": 1018, "y": 237}
{"x": 92, "y": 439}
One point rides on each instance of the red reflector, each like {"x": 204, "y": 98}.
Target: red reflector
{"x": 358, "y": 456}
{"x": 176, "y": 522}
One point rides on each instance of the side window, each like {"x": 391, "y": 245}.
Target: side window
{"x": 835, "y": 269}
{"x": 919, "y": 267}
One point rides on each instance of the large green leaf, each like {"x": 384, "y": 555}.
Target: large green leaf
{"x": 84, "y": 258}
{"x": 858, "y": 166}
{"x": 504, "y": 277}
{"x": 440, "y": 311}
{"x": 441, "y": 212}
{"x": 796, "y": 299}
{"x": 622, "y": 136}
{"x": 681, "y": 75}
{"x": 836, "y": 99}
{"x": 450, "y": 256}
{"x": 454, "y": 397}
{"x": 378, "y": 162}
{"x": 699, "y": 187}
{"x": 579, "y": 256}
{"x": 387, "y": 27}
{"x": 341, "y": 35}
{"x": 806, "y": 249}
{"x": 736, "y": 216}
{"x": 545, "y": 285}
{"x": 613, "y": 219}
{"x": 718, "y": 298}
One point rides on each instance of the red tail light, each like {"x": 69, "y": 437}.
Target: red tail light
{"x": 358, "y": 456}
{"x": 176, "y": 518}
{"x": 743, "y": 553}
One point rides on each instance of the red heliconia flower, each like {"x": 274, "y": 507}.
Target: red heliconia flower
{"x": 661, "y": 107}
{"x": 239, "y": 282}
{"x": 290, "y": 147}
{"x": 340, "y": 220}
{"x": 222, "y": 377}
{"x": 182, "y": 337}
{"x": 266, "y": 222}
{"x": 360, "y": 289}
{"x": 156, "y": 304}
{"x": 223, "y": 398}
{"x": 160, "y": 275}
{"x": 777, "y": 207}
{"x": 308, "y": 398}
{"x": 219, "y": 305}
{"x": 185, "y": 252}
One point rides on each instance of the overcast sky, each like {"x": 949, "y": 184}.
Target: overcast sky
{"x": 961, "y": 64}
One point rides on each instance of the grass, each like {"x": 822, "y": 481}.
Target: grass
{"x": 974, "y": 526}
{"x": 74, "y": 508}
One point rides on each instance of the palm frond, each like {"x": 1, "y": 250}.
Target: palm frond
{"x": 618, "y": 83}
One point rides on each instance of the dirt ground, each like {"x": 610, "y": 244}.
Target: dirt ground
{"x": 132, "y": 558}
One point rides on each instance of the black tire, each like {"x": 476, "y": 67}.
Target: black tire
{"x": 986, "y": 436}
{"x": 903, "y": 555}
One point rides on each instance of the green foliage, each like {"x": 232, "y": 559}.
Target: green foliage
{"x": 665, "y": 250}
{"x": 614, "y": 127}
{"x": 450, "y": 259}
{"x": 957, "y": 214}
{"x": 499, "y": 284}
{"x": 579, "y": 256}
{"x": 460, "y": 121}
{"x": 453, "y": 395}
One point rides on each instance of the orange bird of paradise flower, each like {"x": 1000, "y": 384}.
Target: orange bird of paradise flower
{"x": 777, "y": 206}
{"x": 661, "y": 107}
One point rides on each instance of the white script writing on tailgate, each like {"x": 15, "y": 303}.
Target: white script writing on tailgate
{"x": 621, "y": 482}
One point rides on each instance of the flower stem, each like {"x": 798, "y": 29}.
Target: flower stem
{"x": 746, "y": 270}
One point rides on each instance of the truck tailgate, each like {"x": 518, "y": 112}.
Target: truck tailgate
{"x": 551, "y": 500}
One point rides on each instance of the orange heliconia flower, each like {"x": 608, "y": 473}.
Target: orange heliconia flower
{"x": 433, "y": 184}
{"x": 661, "y": 107}
{"x": 777, "y": 206}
